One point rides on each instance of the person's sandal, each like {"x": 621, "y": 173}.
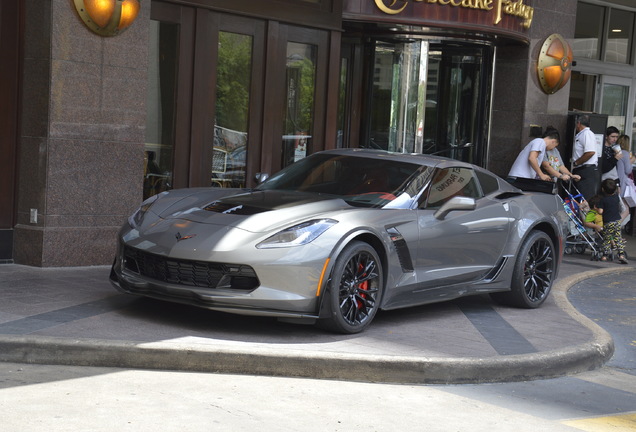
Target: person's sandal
{"x": 622, "y": 259}
{"x": 604, "y": 258}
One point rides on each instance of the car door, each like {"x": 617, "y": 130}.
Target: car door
{"x": 461, "y": 246}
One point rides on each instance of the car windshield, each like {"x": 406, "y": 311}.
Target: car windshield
{"x": 359, "y": 180}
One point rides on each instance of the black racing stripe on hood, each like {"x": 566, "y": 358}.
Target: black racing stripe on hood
{"x": 255, "y": 202}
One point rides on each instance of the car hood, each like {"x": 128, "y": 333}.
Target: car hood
{"x": 254, "y": 211}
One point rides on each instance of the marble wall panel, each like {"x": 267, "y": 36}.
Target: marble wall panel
{"x": 71, "y": 40}
{"x": 37, "y": 29}
{"x": 32, "y": 179}
{"x": 68, "y": 247}
{"x": 94, "y": 178}
{"x": 28, "y": 245}
{"x": 35, "y": 97}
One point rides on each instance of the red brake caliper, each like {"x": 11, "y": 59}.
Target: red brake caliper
{"x": 363, "y": 286}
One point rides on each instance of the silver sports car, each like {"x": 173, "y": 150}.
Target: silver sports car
{"x": 342, "y": 234}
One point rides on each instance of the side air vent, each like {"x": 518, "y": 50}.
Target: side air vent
{"x": 402, "y": 250}
{"x": 494, "y": 273}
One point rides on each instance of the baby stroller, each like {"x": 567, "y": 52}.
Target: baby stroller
{"x": 579, "y": 238}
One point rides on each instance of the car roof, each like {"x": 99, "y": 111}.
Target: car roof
{"x": 417, "y": 158}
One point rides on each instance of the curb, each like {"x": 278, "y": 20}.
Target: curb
{"x": 301, "y": 364}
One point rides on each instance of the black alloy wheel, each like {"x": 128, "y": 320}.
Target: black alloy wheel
{"x": 533, "y": 273}
{"x": 355, "y": 289}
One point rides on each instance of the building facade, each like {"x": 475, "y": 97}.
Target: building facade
{"x": 214, "y": 92}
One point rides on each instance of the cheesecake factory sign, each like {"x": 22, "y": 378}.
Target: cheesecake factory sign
{"x": 510, "y": 17}
{"x": 498, "y": 8}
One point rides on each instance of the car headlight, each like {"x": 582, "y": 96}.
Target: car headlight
{"x": 298, "y": 234}
{"x": 135, "y": 219}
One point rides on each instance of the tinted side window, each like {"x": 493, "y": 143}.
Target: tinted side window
{"x": 451, "y": 182}
{"x": 489, "y": 183}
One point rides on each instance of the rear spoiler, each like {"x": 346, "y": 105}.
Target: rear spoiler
{"x": 533, "y": 185}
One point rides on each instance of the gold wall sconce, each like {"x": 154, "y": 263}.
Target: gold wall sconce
{"x": 107, "y": 17}
{"x": 555, "y": 64}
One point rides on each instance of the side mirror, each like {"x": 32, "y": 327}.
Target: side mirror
{"x": 456, "y": 203}
{"x": 261, "y": 177}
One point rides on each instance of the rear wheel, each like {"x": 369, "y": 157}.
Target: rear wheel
{"x": 533, "y": 273}
{"x": 355, "y": 289}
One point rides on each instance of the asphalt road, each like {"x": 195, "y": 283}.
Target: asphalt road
{"x": 610, "y": 301}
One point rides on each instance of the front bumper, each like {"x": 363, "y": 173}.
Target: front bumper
{"x": 285, "y": 290}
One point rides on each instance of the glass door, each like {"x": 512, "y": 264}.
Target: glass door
{"x": 203, "y": 120}
{"x": 238, "y": 105}
{"x": 300, "y": 91}
{"x": 461, "y": 96}
{"x": 169, "y": 47}
{"x": 230, "y": 96}
{"x": 232, "y": 109}
{"x": 429, "y": 98}
{"x": 304, "y": 89}
{"x": 615, "y": 100}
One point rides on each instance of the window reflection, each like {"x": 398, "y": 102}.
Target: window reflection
{"x": 161, "y": 104}
{"x": 615, "y": 104}
{"x": 299, "y": 107}
{"x": 426, "y": 99}
{"x": 588, "y": 30}
{"x": 452, "y": 182}
{"x": 232, "y": 110}
{"x": 582, "y": 90}
{"x": 342, "y": 101}
{"x": 619, "y": 36}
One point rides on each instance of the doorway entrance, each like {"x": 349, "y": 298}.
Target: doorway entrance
{"x": 430, "y": 97}
{"x": 230, "y": 96}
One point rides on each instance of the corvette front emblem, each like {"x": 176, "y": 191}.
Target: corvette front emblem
{"x": 179, "y": 238}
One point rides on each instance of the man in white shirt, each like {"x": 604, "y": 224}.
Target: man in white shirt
{"x": 585, "y": 158}
{"x": 528, "y": 162}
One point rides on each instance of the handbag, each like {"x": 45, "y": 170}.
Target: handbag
{"x": 629, "y": 192}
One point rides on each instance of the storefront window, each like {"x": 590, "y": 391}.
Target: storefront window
{"x": 588, "y": 31}
{"x": 161, "y": 105}
{"x": 614, "y": 104}
{"x": 582, "y": 90}
{"x": 232, "y": 110}
{"x": 619, "y": 36}
{"x": 299, "y": 106}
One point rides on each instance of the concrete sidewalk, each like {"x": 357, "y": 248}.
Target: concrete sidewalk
{"x": 73, "y": 316}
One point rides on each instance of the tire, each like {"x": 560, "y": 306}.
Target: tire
{"x": 533, "y": 273}
{"x": 354, "y": 291}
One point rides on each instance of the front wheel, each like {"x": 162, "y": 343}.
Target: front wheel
{"x": 355, "y": 290}
{"x": 533, "y": 273}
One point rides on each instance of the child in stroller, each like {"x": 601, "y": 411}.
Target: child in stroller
{"x": 594, "y": 223}
{"x": 594, "y": 217}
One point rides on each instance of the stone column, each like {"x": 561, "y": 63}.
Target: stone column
{"x": 82, "y": 136}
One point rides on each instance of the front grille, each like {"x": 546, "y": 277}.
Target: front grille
{"x": 191, "y": 273}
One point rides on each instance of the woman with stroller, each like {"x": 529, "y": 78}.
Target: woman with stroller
{"x": 612, "y": 236}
